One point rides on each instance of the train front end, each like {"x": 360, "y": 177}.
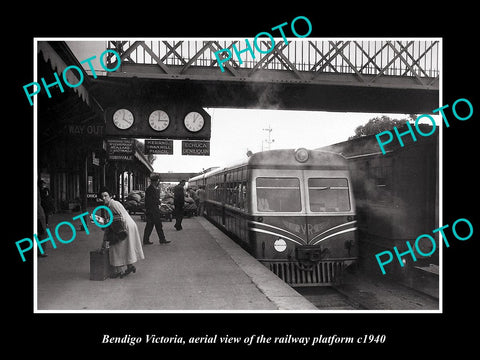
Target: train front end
{"x": 304, "y": 226}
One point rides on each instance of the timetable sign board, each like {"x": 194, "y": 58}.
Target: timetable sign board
{"x": 156, "y": 146}
{"x": 195, "y": 147}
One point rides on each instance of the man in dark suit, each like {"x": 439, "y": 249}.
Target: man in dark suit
{"x": 179, "y": 202}
{"x": 152, "y": 212}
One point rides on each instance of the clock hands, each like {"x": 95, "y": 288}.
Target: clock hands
{"x": 123, "y": 119}
{"x": 159, "y": 120}
{"x": 194, "y": 121}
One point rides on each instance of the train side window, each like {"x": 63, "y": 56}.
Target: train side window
{"x": 244, "y": 195}
{"x": 215, "y": 189}
{"x": 240, "y": 195}
{"x": 328, "y": 194}
{"x": 233, "y": 194}
{"x": 278, "y": 194}
{"x": 227, "y": 192}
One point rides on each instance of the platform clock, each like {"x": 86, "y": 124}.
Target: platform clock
{"x": 194, "y": 121}
{"x": 158, "y": 120}
{"x": 123, "y": 119}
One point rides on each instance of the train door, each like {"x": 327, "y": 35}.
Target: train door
{"x": 305, "y": 202}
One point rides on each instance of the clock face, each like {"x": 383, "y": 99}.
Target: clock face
{"x": 123, "y": 119}
{"x": 159, "y": 120}
{"x": 194, "y": 121}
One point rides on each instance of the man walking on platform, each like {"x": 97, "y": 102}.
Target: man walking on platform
{"x": 179, "y": 202}
{"x": 152, "y": 212}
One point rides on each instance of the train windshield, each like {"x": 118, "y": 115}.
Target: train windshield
{"x": 328, "y": 194}
{"x": 278, "y": 194}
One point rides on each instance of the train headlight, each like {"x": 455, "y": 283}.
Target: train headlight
{"x": 280, "y": 245}
{"x": 301, "y": 155}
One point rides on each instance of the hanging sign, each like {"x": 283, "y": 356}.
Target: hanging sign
{"x": 195, "y": 147}
{"x": 157, "y": 146}
{"x": 120, "y": 149}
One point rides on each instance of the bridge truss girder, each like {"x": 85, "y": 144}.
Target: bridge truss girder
{"x": 391, "y": 76}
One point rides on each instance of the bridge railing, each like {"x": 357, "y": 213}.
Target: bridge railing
{"x": 305, "y": 58}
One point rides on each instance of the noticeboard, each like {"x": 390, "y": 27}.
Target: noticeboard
{"x": 120, "y": 149}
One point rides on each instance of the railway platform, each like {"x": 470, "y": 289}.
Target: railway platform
{"x": 202, "y": 269}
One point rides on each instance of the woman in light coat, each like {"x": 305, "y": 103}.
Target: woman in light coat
{"x": 124, "y": 252}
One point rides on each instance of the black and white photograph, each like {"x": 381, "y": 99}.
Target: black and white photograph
{"x": 294, "y": 180}
{"x": 240, "y": 183}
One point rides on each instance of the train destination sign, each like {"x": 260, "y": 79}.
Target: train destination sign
{"x": 156, "y": 146}
{"x": 195, "y": 147}
{"x": 120, "y": 149}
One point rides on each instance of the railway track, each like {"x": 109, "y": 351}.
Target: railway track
{"x": 368, "y": 294}
{"x": 360, "y": 291}
{"x": 329, "y": 298}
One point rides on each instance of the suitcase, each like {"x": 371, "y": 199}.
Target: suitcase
{"x": 100, "y": 267}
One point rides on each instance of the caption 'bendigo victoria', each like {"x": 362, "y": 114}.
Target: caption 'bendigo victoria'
{"x": 293, "y": 210}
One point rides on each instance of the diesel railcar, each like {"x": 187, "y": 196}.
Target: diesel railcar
{"x": 293, "y": 210}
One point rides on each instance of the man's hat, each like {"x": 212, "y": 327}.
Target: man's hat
{"x": 154, "y": 177}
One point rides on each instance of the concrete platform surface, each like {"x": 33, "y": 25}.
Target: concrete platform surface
{"x": 200, "y": 270}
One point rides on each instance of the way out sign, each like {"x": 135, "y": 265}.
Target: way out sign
{"x": 195, "y": 147}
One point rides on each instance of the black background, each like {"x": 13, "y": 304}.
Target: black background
{"x": 56, "y": 335}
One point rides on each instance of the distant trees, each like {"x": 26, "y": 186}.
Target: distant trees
{"x": 379, "y": 124}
